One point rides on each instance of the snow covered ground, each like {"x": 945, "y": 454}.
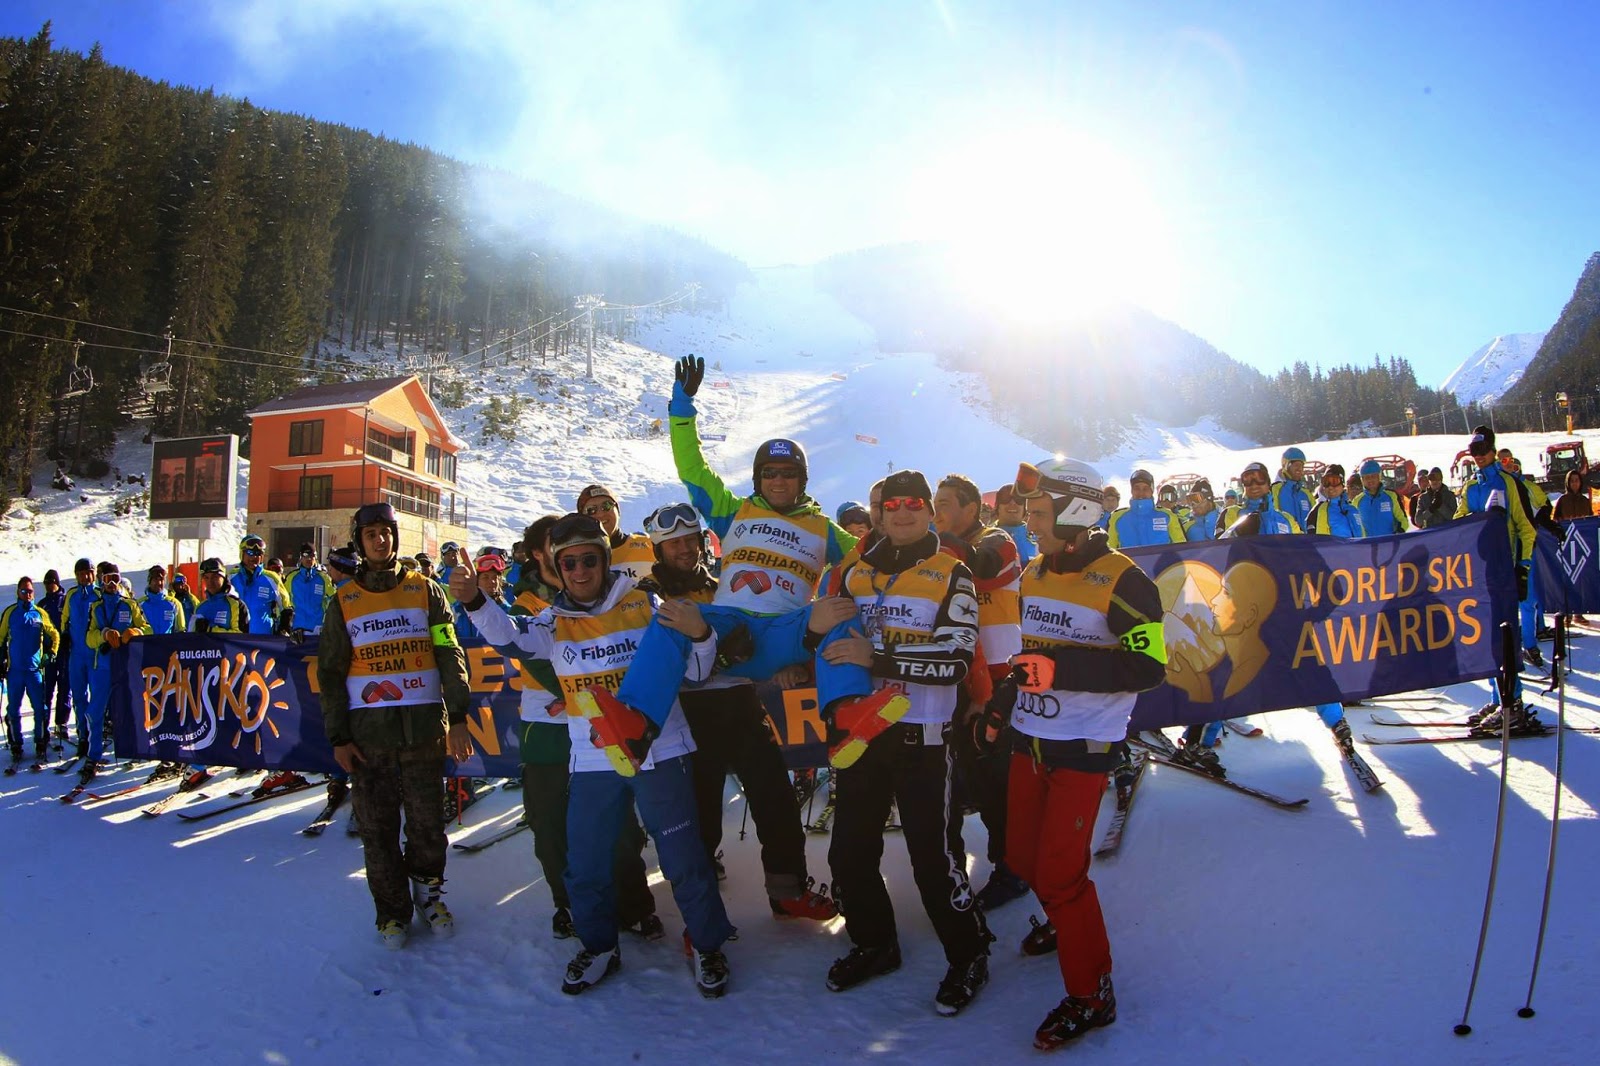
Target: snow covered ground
{"x": 1242, "y": 933}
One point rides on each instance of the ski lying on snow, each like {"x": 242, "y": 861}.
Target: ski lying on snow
{"x": 1162, "y": 751}
{"x": 493, "y": 838}
{"x": 324, "y": 817}
{"x": 1119, "y": 817}
{"x": 1243, "y": 727}
{"x": 1366, "y": 776}
{"x": 201, "y": 812}
{"x": 1462, "y": 737}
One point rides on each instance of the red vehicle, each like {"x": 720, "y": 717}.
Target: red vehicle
{"x": 1558, "y": 459}
{"x": 1462, "y": 468}
{"x": 1398, "y": 473}
{"x": 1311, "y": 477}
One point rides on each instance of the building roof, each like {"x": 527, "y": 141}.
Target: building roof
{"x": 338, "y": 394}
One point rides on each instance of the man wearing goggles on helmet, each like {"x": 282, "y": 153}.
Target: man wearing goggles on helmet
{"x": 1289, "y": 493}
{"x": 394, "y": 701}
{"x": 1092, "y": 641}
{"x": 261, "y": 590}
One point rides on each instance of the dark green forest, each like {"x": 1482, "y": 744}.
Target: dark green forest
{"x": 1568, "y": 363}
{"x": 131, "y": 211}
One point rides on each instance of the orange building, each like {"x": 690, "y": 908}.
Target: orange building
{"x": 319, "y": 453}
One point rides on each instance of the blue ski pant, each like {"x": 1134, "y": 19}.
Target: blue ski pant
{"x": 78, "y": 670}
{"x": 21, "y": 680}
{"x": 656, "y": 673}
{"x": 597, "y": 804}
{"x": 1531, "y": 611}
{"x": 99, "y": 697}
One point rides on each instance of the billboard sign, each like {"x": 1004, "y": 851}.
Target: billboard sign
{"x": 194, "y": 478}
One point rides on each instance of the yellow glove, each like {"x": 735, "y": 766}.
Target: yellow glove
{"x": 129, "y": 634}
{"x": 113, "y": 638}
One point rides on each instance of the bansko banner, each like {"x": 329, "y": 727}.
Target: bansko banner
{"x": 1266, "y": 623}
{"x": 1252, "y": 625}
{"x": 1568, "y": 569}
{"x": 231, "y": 700}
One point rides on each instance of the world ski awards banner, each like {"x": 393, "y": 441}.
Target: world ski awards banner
{"x": 227, "y": 700}
{"x": 1252, "y": 625}
{"x": 1267, "y": 623}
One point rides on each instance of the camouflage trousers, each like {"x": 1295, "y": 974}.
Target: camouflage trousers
{"x": 390, "y": 781}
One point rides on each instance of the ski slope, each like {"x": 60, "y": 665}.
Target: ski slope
{"x": 1242, "y": 933}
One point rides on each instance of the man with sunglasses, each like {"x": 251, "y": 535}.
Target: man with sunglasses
{"x": 919, "y": 631}
{"x": 261, "y": 590}
{"x": 1142, "y": 523}
{"x": 114, "y": 620}
{"x": 1256, "y": 510}
{"x": 1008, "y": 515}
{"x": 996, "y": 575}
{"x": 394, "y": 690}
{"x": 775, "y": 545}
{"x": 731, "y": 734}
{"x": 28, "y": 640}
{"x": 1202, "y": 521}
{"x": 1092, "y": 640}
{"x": 310, "y": 589}
{"x": 1436, "y": 504}
{"x": 589, "y": 636}
{"x": 631, "y": 554}
{"x": 1289, "y": 493}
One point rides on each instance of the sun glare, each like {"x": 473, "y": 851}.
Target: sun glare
{"x": 1045, "y": 225}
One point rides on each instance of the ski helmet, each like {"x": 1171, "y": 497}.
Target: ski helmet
{"x": 344, "y": 559}
{"x": 673, "y": 521}
{"x": 576, "y": 531}
{"x": 1293, "y": 455}
{"x": 374, "y": 514}
{"x": 213, "y": 565}
{"x": 1074, "y": 489}
{"x": 251, "y": 541}
{"x": 779, "y": 450}
{"x": 852, "y": 511}
{"x": 1371, "y": 467}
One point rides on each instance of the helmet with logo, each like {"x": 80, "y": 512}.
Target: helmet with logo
{"x": 576, "y": 531}
{"x": 1073, "y": 487}
{"x": 374, "y": 514}
{"x": 779, "y": 450}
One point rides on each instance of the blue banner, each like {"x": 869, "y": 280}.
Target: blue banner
{"x": 1266, "y": 623}
{"x": 1568, "y": 570}
{"x": 1252, "y": 625}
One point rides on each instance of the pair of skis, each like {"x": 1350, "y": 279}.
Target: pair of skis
{"x": 1163, "y": 751}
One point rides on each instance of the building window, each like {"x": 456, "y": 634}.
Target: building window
{"x": 440, "y": 463}
{"x": 316, "y": 493}
{"x": 305, "y": 438}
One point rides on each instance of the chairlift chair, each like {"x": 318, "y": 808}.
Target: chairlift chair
{"x": 158, "y": 378}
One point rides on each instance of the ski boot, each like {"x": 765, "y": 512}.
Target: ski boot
{"x": 589, "y": 968}
{"x": 647, "y": 928}
{"x": 807, "y": 904}
{"x": 1075, "y": 1016}
{"x": 1341, "y": 736}
{"x": 88, "y": 772}
{"x": 392, "y": 933}
{"x": 16, "y": 761}
{"x": 1524, "y": 722}
{"x": 1003, "y": 886}
{"x": 1533, "y": 658}
{"x": 860, "y": 720}
{"x": 426, "y": 892}
{"x": 194, "y": 780}
{"x": 1041, "y": 938}
{"x": 960, "y": 986}
{"x": 279, "y": 780}
{"x": 710, "y": 969}
{"x": 862, "y": 964}
{"x": 561, "y": 926}
{"x": 1201, "y": 758}
{"x": 622, "y": 732}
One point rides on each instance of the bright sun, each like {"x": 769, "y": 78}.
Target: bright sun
{"x": 1046, "y": 225}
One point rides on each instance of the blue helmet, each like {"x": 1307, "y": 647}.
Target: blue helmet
{"x": 852, "y": 507}
{"x": 1371, "y": 466}
{"x": 1293, "y": 455}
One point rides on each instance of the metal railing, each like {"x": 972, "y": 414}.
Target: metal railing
{"x": 451, "y": 508}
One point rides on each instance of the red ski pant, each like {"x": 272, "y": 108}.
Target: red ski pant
{"x": 1050, "y": 817}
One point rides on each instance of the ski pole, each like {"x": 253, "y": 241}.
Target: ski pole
{"x": 1508, "y": 649}
{"x": 744, "y": 819}
{"x": 1558, "y": 657}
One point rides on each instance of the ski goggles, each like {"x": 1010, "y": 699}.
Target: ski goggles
{"x": 111, "y": 577}
{"x": 371, "y": 514}
{"x": 586, "y": 561}
{"x": 490, "y": 564}
{"x": 910, "y": 503}
{"x": 675, "y": 519}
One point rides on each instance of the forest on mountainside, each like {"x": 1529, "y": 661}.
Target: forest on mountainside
{"x": 1568, "y": 363}
{"x": 1079, "y": 385}
{"x": 259, "y": 240}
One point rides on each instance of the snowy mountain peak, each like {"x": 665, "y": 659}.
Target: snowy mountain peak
{"x": 1489, "y": 372}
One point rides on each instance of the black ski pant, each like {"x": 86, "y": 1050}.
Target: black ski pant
{"x": 544, "y": 804}
{"x": 983, "y": 778}
{"x": 900, "y": 766}
{"x": 730, "y": 731}
{"x": 387, "y": 782}
{"x": 57, "y": 692}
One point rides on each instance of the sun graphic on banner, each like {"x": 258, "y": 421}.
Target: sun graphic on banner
{"x": 247, "y": 688}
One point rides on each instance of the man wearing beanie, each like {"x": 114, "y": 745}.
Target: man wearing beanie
{"x": 1142, "y": 523}
{"x": 1436, "y": 504}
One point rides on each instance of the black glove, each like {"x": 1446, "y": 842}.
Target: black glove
{"x": 285, "y": 622}
{"x": 735, "y": 648}
{"x": 1522, "y": 582}
{"x": 691, "y": 370}
{"x": 298, "y": 635}
{"x": 988, "y": 723}
{"x": 202, "y": 625}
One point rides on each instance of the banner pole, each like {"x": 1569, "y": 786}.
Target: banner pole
{"x": 1558, "y": 657}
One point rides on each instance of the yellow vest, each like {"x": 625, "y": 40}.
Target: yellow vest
{"x": 391, "y": 645}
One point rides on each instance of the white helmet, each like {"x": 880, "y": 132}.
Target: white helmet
{"x": 1074, "y": 488}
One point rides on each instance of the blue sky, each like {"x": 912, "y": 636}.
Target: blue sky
{"x": 1318, "y": 181}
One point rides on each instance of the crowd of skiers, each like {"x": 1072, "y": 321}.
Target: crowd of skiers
{"x": 957, "y": 662}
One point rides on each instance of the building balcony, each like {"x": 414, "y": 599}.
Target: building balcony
{"x": 450, "y": 509}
